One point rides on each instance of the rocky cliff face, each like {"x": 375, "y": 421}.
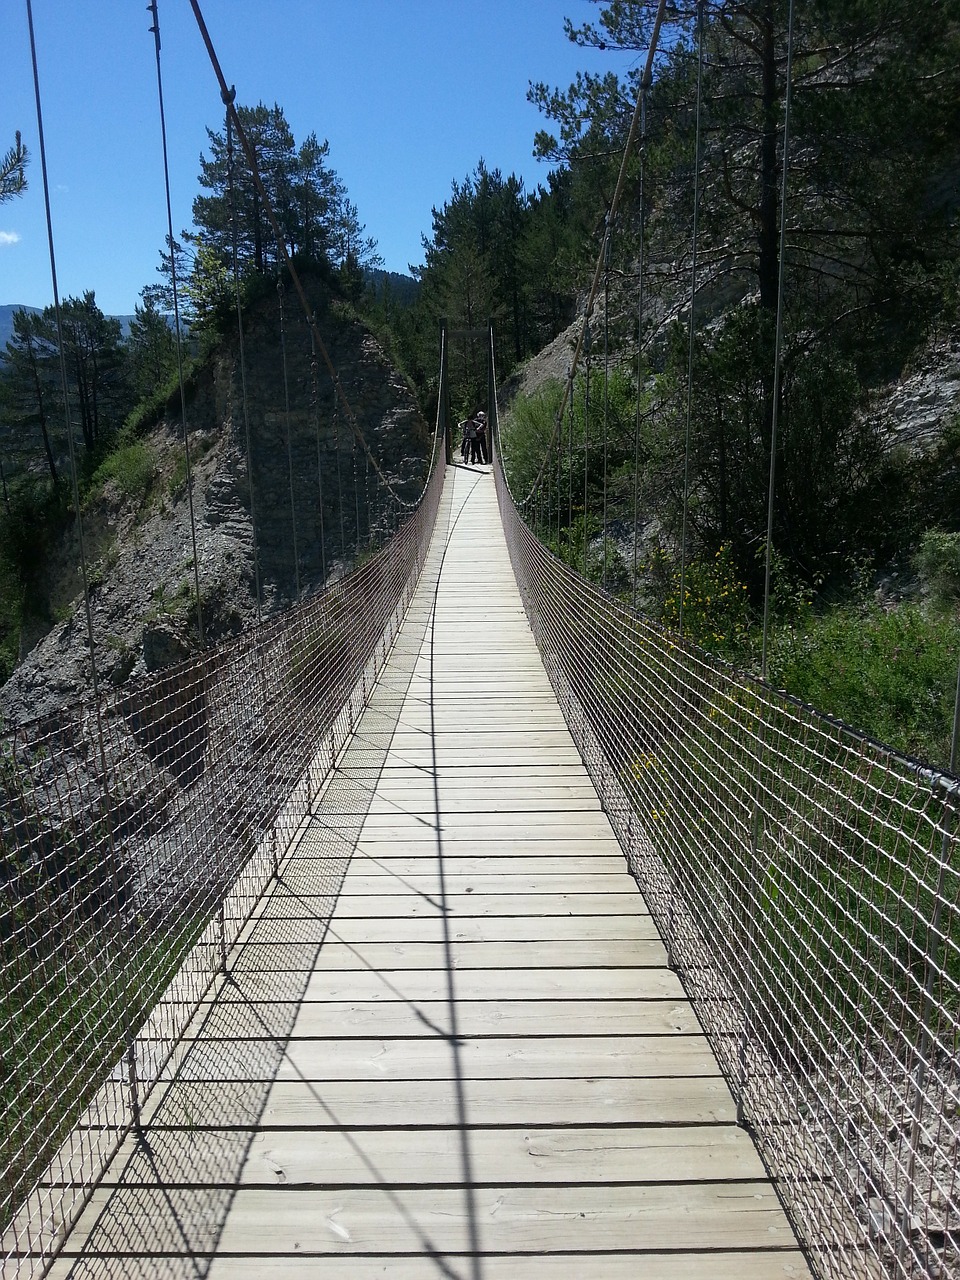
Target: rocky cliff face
{"x": 316, "y": 500}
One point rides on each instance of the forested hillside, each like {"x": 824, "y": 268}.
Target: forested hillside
{"x": 664, "y": 481}
{"x": 664, "y": 458}
{"x": 123, "y": 393}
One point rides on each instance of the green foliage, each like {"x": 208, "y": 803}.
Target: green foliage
{"x": 13, "y": 178}
{"x": 151, "y": 350}
{"x": 890, "y": 673}
{"x": 938, "y": 564}
{"x": 34, "y": 515}
{"x": 132, "y": 467}
{"x": 317, "y": 220}
{"x": 716, "y": 607}
{"x": 164, "y": 398}
{"x": 526, "y": 434}
{"x": 496, "y": 253}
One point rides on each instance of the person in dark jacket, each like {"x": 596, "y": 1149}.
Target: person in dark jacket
{"x": 481, "y": 420}
{"x": 470, "y": 443}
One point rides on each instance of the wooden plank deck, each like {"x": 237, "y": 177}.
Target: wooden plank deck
{"x": 459, "y": 1052}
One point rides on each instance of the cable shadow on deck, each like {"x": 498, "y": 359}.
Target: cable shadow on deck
{"x": 173, "y": 1183}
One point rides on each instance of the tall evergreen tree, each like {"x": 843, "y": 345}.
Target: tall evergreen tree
{"x": 30, "y": 376}
{"x": 870, "y": 234}
{"x": 151, "y": 348}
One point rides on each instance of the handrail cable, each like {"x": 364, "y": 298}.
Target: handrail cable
{"x": 645, "y": 80}
{"x": 228, "y": 94}
{"x": 177, "y": 326}
{"x": 84, "y": 573}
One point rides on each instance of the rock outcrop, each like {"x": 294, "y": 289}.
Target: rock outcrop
{"x": 316, "y": 499}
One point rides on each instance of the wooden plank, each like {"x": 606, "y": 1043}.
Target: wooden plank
{"x": 753, "y": 1265}
{"x": 280, "y": 1157}
{"x": 516, "y": 863}
{"x": 623, "y": 927}
{"x": 213, "y": 1066}
{"x": 587, "y": 852}
{"x": 756, "y": 1265}
{"x": 422, "y": 985}
{"x": 690, "y": 1100}
{"x": 513, "y": 1220}
{"x": 396, "y": 829}
{"x": 390, "y": 957}
{"x": 490, "y": 801}
{"x": 584, "y": 848}
{"x": 292, "y": 906}
{"x": 337, "y": 1018}
{"x": 359, "y": 881}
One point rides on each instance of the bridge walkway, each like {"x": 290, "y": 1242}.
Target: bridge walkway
{"x": 449, "y": 1043}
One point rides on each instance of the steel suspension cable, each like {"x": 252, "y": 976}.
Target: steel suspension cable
{"x": 693, "y": 299}
{"x": 559, "y": 487}
{"x": 606, "y": 394}
{"x": 288, "y": 434}
{"x": 315, "y": 405}
{"x": 71, "y": 445}
{"x": 106, "y": 825}
{"x": 757, "y": 822}
{"x": 177, "y": 324}
{"x": 228, "y": 103}
{"x": 586, "y": 443}
{"x": 336, "y": 445}
{"x": 778, "y": 343}
{"x": 356, "y": 495}
{"x": 611, "y": 215}
{"x": 570, "y": 461}
{"x": 641, "y": 277}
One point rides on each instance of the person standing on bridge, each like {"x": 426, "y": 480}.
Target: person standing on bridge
{"x": 481, "y": 420}
{"x": 471, "y": 446}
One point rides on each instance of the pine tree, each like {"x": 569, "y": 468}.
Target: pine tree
{"x": 13, "y": 165}
{"x": 30, "y": 376}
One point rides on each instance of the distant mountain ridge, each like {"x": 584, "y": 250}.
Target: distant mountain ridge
{"x": 6, "y": 321}
{"x": 403, "y": 288}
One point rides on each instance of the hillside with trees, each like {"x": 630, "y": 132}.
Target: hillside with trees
{"x": 866, "y": 522}
{"x": 121, "y": 382}
{"x": 866, "y": 531}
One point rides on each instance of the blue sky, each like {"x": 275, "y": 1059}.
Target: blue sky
{"x": 410, "y": 94}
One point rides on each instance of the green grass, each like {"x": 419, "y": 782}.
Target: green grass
{"x": 891, "y": 673}
{"x": 133, "y": 467}
{"x": 66, "y": 1013}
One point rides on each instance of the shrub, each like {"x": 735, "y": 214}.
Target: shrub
{"x": 132, "y": 467}
{"x": 715, "y": 606}
{"x": 891, "y": 674}
{"x": 938, "y": 564}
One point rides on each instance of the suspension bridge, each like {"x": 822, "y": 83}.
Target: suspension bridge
{"x": 458, "y": 921}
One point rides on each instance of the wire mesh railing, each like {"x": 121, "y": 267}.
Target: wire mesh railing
{"x": 137, "y": 834}
{"x": 806, "y": 881}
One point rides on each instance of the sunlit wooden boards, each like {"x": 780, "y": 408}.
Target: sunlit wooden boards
{"x": 487, "y": 1070}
